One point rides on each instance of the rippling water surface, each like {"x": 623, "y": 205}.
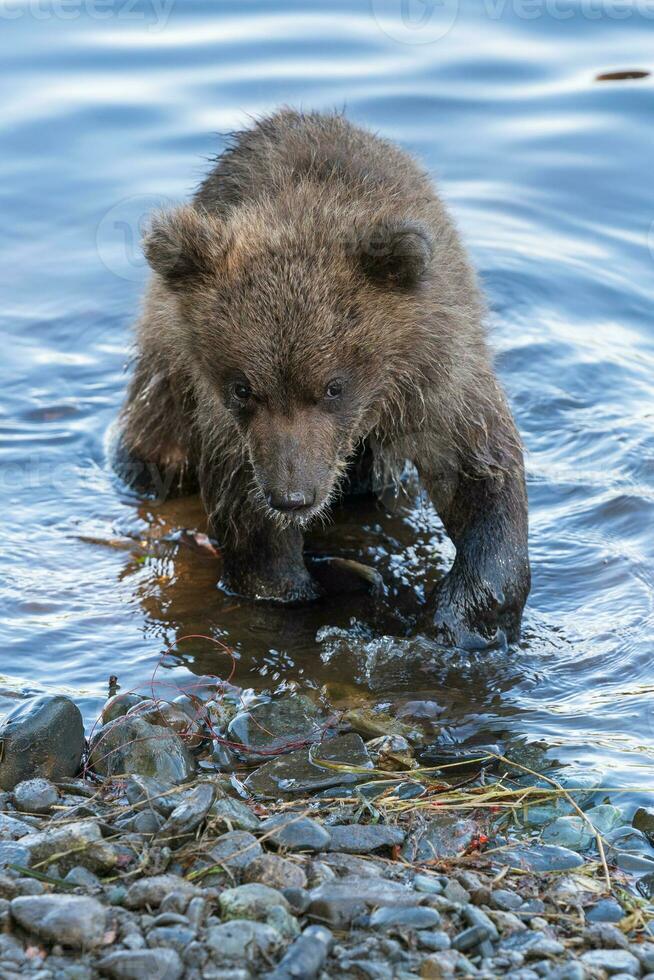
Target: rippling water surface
{"x": 111, "y": 110}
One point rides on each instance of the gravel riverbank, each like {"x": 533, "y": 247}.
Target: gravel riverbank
{"x": 282, "y": 839}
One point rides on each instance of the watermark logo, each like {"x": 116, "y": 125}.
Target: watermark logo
{"x": 121, "y": 230}
{"x": 415, "y": 21}
{"x": 154, "y": 14}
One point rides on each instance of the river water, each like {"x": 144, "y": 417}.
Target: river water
{"x": 112, "y": 108}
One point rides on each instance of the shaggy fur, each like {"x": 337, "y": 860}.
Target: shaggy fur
{"x": 317, "y": 259}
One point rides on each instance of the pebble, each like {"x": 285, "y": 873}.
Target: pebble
{"x": 252, "y": 901}
{"x": 35, "y": 796}
{"x": 296, "y": 833}
{"x": 233, "y": 814}
{"x": 77, "y": 843}
{"x": 130, "y": 744}
{"x": 175, "y": 937}
{"x": 606, "y": 910}
{"x": 189, "y": 813}
{"x": 613, "y": 961}
{"x": 306, "y": 956}
{"x": 505, "y": 900}
{"x": 364, "y": 838}
{"x": 150, "y": 892}
{"x": 235, "y": 850}
{"x": 275, "y": 871}
{"x": 243, "y": 941}
{"x": 404, "y": 918}
{"x": 13, "y": 829}
{"x": 159, "y": 964}
{"x": 70, "y": 920}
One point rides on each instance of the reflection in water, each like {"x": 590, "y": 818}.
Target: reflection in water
{"x": 546, "y": 172}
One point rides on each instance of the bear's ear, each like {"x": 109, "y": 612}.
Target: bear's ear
{"x": 184, "y": 246}
{"x": 396, "y": 253}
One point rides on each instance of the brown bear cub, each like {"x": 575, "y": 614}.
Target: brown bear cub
{"x": 313, "y": 306}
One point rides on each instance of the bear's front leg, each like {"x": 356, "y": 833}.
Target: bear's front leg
{"x": 480, "y": 601}
{"x": 264, "y": 561}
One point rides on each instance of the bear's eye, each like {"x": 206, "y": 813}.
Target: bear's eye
{"x": 241, "y": 391}
{"x": 334, "y": 389}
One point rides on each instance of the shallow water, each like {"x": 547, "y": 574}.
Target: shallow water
{"x": 112, "y": 109}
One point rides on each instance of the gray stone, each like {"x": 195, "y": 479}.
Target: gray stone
{"x": 306, "y": 957}
{"x": 571, "y": 832}
{"x": 243, "y": 941}
{"x": 455, "y": 892}
{"x": 82, "y": 877}
{"x": 233, "y": 814}
{"x": 13, "y": 829}
{"x": 390, "y": 919}
{"x": 175, "y": 937}
{"x": 251, "y": 901}
{"x": 272, "y": 727}
{"x": 148, "y": 822}
{"x": 428, "y": 883}
{"x": 338, "y": 902}
{"x": 469, "y": 938}
{"x": 295, "y": 833}
{"x": 152, "y": 794}
{"x": 604, "y": 935}
{"x": 41, "y": 737}
{"x": 119, "y": 705}
{"x": 235, "y": 850}
{"x": 275, "y": 871}
{"x": 613, "y": 961}
{"x": 445, "y": 836}
{"x": 189, "y": 813}
{"x": 540, "y": 857}
{"x": 78, "y": 843}
{"x": 131, "y": 745}
{"x": 301, "y": 772}
{"x": 505, "y": 900}
{"x": 150, "y": 892}
{"x": 477, "y": 917}
{"x": 35, "y": 796}
{"x": 71, "y": 920}
{"x": 364, "y": 838}
{"x": 433, "y": 941}
{"x": 605, "y": 817}
{"x": 645, "y": 953}
{"x": 157, "y": 964}
{"x": 12, "y": 852}
{"x": 606, "y": 910}
{"x": 643, "y": 821}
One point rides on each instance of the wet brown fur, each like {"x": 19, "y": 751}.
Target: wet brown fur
{"x": 314, "y": 250}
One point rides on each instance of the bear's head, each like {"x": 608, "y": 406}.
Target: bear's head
{"x": 298, "y": 330}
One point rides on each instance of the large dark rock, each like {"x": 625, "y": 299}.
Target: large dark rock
{"x": 302, "y": 772}
{"x": 272, "y": 727}
{"x": 41, "y": 737}
{"x": 130, "y": 745}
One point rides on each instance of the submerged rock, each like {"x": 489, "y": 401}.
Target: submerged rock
{"x": 41, "y": 737}
{"x": 301, "y": 771}
{"x": 373, "y": 724}
{"x": 131, "y": 745}
{"x": 277, "y": 726}
{"x": 572, "y": 832}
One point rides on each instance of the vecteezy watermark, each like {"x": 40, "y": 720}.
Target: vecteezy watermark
{"x": 119, "y": 234}
{"x": 153, "y": 13}
{"x": 426, "y": 21}
{"x": 415, "y": 21}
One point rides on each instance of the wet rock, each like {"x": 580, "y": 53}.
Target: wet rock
{"x": 613, "y": 961}
{"x": 445, "y": 836}
{"x": 295, "y": 833}
{"x": 372, "y": 724}
{"x": 131, "y": 745}
{"x": 189, "y": 813}
{"x": 301, "y": 772}
{"x": 35, "y": 796}
{"x": 390, "y": 919}
{"x": 148, "y": 822}
{"x": 222, "y": 757}
{"x": 159, "y": 964}
{"x": 571, "y": 832}
{"x": 78, "y": 843}
{"x": 119, "y": 705}
{"x": 643, "y": 820}
{"x": 236, "y": 850}
{"x": 13, "y": 829}
{"x": 541, "y": 857}
{"x": 605, "y": 818}
{"x": 364, "y": 838}
{"x": 71, "y": 920}
{"x": 606, "y": 910}
{"x": 41, "y": 737}
{"x": 150, "y": 793}
{"x": 391, "y": 753}
{"x": 150, "y": 892}
{"x": 243, "y": 941}
{"x": 233, "y": 814}
{"x": 275, "y": 871}
{"x": 277, "y": 726}
{"x": 306, "y": 957}
{"x": 179, "y": 715}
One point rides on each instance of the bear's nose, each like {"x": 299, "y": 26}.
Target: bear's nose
{"x": 292, "y": 500}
